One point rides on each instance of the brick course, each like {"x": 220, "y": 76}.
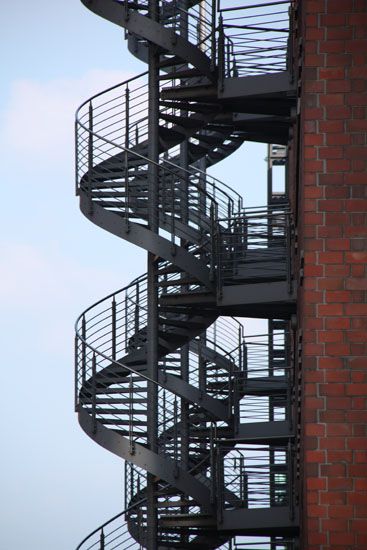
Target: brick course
{"x": 332, "y": 305}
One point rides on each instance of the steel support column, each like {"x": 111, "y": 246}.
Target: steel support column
{"x": 152, "y": 268}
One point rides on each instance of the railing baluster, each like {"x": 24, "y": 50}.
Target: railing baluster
{"x": 175, "y": 436}
{"x": 113, "y": 328}
{"x": 137, "y": 311}
{"x": 102, "y": 541}
{"x": 131, "y": 416}
{"x": 94, "y": 392}
{"x": 77, "y": 178}
{"x": 213, "y": 36}
{"x": 213, "y": 230}
{"x": 90, "y": 157}
{"x": 213, "y": 466}
{"x": 84, "y": 350}
{"x": 173, "y": 241}
{"x": 126, "y": 308}
{"x": 221, "y": 61}
{"x": 76, "y": 373}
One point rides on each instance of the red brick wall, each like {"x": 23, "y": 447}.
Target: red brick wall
{"x": 332, "y": 300}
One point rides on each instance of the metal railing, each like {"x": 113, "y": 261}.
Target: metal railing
{"x": 112, "y": 534}
{"x": 252, "y": 476}
{"x": 112, "y": 168}
{"x": 254, "y": 246}
{"x": 111, "y": 144}
{"x": 253, "y": 39}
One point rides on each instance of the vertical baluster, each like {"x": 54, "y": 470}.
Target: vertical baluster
{"x": 90, "y": 157}
{"x": 220, "y": 484}
{"x": 175, "y": 437}
{"x": 244, "y": 356}
{"x": 202, "y": 196}
{"x": 213, "y": 465}
{"x": 221, "y": 61}
{"x": 127, "y": 140}
{"x": 137, "y": 312}
{"x": 233, "y": 56}
{"x": 164, "y": 411}
{"x": 126, "y": 319}
{"x": 131, "y": 416}
{"x": 113, "y": 329}
{"x": 126, "y": 484}
{"x": 132, "y": 487}
{"x": 173, "y": 241}
{"x": 245, "y": 235}
{"x": 77, "y": 156}
{"x": 241, "y": 480}
{"x": 94, "y": 393}
{"x": 76, "y": 373}
{"x": 162, "y": 186}
{"x": 218, "y": 254}
{"x": 213, "y": 236}
{"x": 213, "y": 37}
{"x": 237, "y": 383}
{"x": 84, "y": 350}
{"x": 235, "y": 246}
{"x": 102, "y": 540}
{"x": 215, "y": 335}
{"x": 240, "y": 356}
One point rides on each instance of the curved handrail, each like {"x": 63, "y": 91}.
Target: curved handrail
{"x": 174, "y": 168}
{"x": 101, "y": 527}
{"x": 115, "y": 86}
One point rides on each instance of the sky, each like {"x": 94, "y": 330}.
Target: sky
{"x": 56, "y": 484}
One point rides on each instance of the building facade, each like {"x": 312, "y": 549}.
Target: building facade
{"x": 332, "y": 292}
{"x": 231, "y": 441}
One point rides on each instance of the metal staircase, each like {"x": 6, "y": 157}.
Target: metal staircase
{"x": 164, "y": 376}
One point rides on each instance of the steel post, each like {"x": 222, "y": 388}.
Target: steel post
{"x": 152, "y": 289}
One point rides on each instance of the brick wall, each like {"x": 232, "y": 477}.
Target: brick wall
{"x": 332, "y": 300}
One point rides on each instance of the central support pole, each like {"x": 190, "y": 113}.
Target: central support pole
{"x": 152, "y": 332}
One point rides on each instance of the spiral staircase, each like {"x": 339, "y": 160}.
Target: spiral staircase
{"x": 164, "y": 375}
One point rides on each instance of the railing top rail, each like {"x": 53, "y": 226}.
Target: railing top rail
{"x": 192, "y": 172}
{"x": 243, "y": 7}
{"x": 133, "y": 283}
{"x": 109, "y": 521}
{"x": 115, "y": 86}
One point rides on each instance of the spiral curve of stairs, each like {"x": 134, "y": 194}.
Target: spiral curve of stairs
{"x": 197, "y": 406}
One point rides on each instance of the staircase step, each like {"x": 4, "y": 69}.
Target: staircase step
{"x": 175, "y": 504}
{"x": 169, "y": 269}
{"x": 184, "y": 324}
{"x": 189, "y": 92}
{"x": 112, "y": 391}
{"x": 120, "y": 401}
{"x": 125, "y": 411}
{"x": 122, "y": 422}
{"x": 188, "y": 298}
{"x": 185, "y": 122}
{"x": 178, "y": 282}
{"x": 182, "y": 73}
{"x": 128, "y": 433}
{"x": 171, "y": 61}
{"x": 204, "y": 108}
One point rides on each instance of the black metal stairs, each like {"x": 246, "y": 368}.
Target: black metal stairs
{"x": 222, "y": 460}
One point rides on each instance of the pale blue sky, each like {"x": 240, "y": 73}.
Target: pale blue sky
{"x": 57, "y": 485}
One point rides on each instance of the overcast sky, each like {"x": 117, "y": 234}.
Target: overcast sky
{"x": 57, "y": 485}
